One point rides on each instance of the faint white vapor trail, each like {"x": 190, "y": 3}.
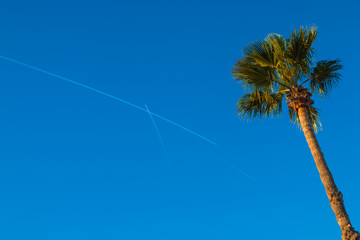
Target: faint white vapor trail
{"x": 237, "y": 169}
{"x": 219, "y": 156}
{"x": 160, "y": 139}
{"x": 108, "y": 95}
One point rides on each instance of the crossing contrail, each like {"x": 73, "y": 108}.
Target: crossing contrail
{"x": 108, "y": 95}
{"x": 160, "y": 139}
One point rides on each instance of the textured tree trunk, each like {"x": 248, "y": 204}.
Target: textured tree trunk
{"x": 334, "y": 195}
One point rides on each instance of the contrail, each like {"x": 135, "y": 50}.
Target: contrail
{"x": 217, "y": 153}
{"x": 237, "y": 169}
{"x": 160, "y": 139}
{"x": 108, "y": 95}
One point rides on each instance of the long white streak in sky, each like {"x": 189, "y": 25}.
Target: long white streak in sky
{"x": 237, "y": 169}
{"x": 160, "y": 139}
{"x": 108, "y": 95}
{"x": 217, "y": 153}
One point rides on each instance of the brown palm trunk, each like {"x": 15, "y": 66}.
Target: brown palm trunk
{"x": 334, "y": 195}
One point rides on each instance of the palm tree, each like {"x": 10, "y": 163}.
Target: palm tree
{"x": 276, "y": 67}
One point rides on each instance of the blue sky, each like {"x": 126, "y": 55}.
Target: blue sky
{"x": 76, "y": 164}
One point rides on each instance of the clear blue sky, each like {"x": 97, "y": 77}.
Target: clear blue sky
{"x": 78, "y": 165}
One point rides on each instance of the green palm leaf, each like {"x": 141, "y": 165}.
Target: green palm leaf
{"x": 278, "y": 46}
{"x": 325, "y": 76}
{"x": 252, "y": 75}
{"x": 261, "y": 54}
{"x": 299, "y": 50}
{"x": 259, "y": 104}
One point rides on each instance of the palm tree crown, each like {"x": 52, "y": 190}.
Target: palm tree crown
{"x": 276, "y": 67}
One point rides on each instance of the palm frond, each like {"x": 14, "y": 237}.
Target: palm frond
{"x": 293, "y": 116}
{"x": 261, "y": 53}
{"x": 260, "y": 104}
{"x": 314, "y": 118}
{"x": 278, "y": 45}
{"x": 325, "y": 76}
{"x": 287, "y": 74}
{"x": 253, "y": 76}
{"x": 299, "y": 50}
